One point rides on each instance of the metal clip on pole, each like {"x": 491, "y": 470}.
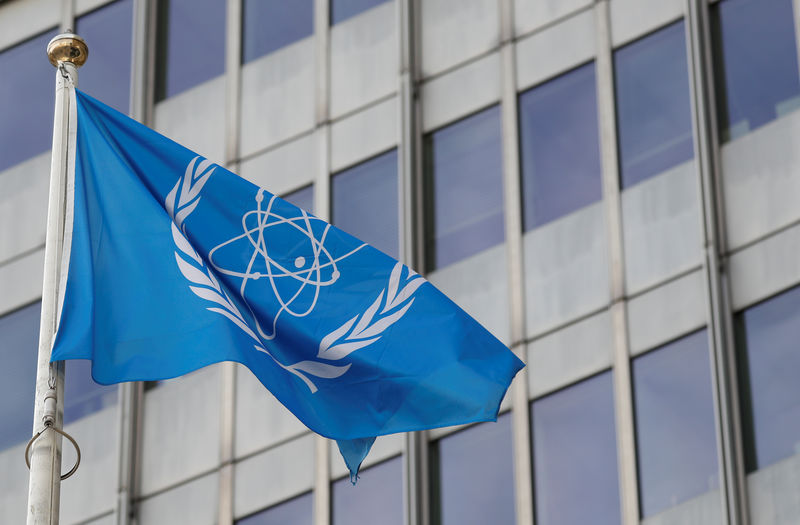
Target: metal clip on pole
{"x": 49, "y": 419}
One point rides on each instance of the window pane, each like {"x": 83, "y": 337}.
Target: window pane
{"x": 755, "y": 62}
{"x": 674, "y": 411}
{"x": 19, "y": 348}
{"x": 302, "y": 198}
{"x": 344, "y": 9}
{"x": 464, "y": 189}
{"x": 82, "y": 396}
{"x": 296, "y": 511}
{"x": 377, "y": 498}
{"x": 653, "y": 110}
{"x": 26, "y": 104}
{"x": 559, "y": 147}
{"x": 364, "y": 202}
{"x": 475, "y": 475}
{"x": 181, "y": 25}
{"x": 575, "y": 455}
{"x": 769, "y": 377}
{"x": 107, "y": 74}
{"x": 268, "y": 25}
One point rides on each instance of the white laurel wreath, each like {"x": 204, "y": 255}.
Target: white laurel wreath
{"x": 361, "y": 330}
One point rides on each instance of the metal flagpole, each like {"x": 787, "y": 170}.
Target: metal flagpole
{"x": 67, "y": 52}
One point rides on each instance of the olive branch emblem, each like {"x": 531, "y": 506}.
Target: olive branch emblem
{"x": 361, "y": 330}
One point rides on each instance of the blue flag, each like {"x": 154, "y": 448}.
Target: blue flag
{"x": 175, "y": 263}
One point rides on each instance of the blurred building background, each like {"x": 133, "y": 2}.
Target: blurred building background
{"x": 611, "y": 187}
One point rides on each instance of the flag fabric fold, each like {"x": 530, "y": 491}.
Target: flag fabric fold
{"x": 175, "y": 263}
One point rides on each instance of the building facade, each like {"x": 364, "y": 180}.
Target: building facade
{"x": 611, "y": 187}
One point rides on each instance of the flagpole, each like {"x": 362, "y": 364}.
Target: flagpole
{"x": 67, "y": 52}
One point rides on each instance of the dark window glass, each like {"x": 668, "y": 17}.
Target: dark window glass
{"x": 575, "y": 455}
{"x": 268, "y": 25}
{"x": 473, "y": 475}
{"x": 82, "y": 396}
{"x": 344, "y": 9}
{"x": 559, "y": 147}
{"x": 182, "y": 25}
{"x": 654, "y": 115}
{"x": 296, "y": 511}
{"x": 770, "y": 368}
{"x": 302, "y": 198}
{"x": 364, "y": 202}
{"x": 464, "y": 189}
{"x": 19, "y": 347}
{"x": 26, "y": 102}
{"x": 107, "y": 74}
{"x": 674, "y": 410}
{"x": 755, "y": 62}
{"x": 377, "y": 498}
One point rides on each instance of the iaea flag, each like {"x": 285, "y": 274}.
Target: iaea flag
{"x": 175, "y": 263}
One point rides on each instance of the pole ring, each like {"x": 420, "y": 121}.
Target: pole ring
{"x": 58, "y": 431}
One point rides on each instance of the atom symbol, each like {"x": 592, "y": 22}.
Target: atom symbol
{"x": 301, "y": 284}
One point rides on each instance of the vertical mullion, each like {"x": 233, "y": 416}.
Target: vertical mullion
{"x": 415, "y": 506}
{"x": 67, "y": 15}
{"x": 623, "y": 403}
{"x": 521, "y": 427}
{"x": 322, "y": 474}
{"x": 233, "y": 40}
{"x": 719, "y": 310}
{"x": 130, "y": 394}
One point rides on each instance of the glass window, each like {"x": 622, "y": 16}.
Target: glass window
{"x": 82, "y": 396}
{"x": 364, "y": 202}
{"x": 296, "y": 511}
{"x": 464, "y": 189}
{"x": 26, "y": 103}
{"x": 181, "y": 25}
{"x": 559, "y": 149}
{"x": 674, "y": 411}
{"x": 302, "y": 198}
{"x": 770, "y": 366}
{"x": 755, "y": 62}
{"x": 377, "y": 498}
{"x": 344, "y": 9}
{"x": 19, "y": 348}
{"x": 268, "y": 25}
{"x": 654, "y": 117}
{"x": 575, "y": 455}
{"x": 474, "y": 475}
{"x": 107, "y": 74}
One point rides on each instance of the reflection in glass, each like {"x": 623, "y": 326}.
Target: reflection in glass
{"x": 183, "y": 63}
{"x": 464, "y": 189}
{"x": 268, "y": 25}
{"x": 769, "y": 371}
{"x": 26, "y": 104}
{"x": 559, "y": 147}
{"x": 364, "y": 202}
{"x": 475, "y": 475}
{"x": 575, "y": 455}
{"x": 296, "y": 511}
{"x": 755, "y": 63}
{"x": 344, "y": 9}
{"x": 654, "y": 119}
{"x": 107, "y": 74}
{"x": 377, "y": 498}
{"x": 674, "y": 410}
{"x": 302, "y": 198}
{"x": 19, "y": 343}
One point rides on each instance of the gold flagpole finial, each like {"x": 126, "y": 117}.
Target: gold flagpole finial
{"x": 67, "y": 47}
